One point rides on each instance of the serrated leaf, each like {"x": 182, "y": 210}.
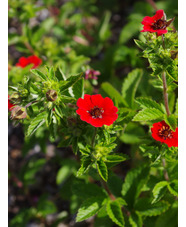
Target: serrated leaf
{"x": 135, "y": 219}
{"x": 141, "y": 44}
{"x": 115, "y": 213}
{"x": 53, "y": 127}
{"x": 113, "y": 93}
{"x": 86, "y": 190}
{"x": 69, "y": 82}
{"x": 173, "y": 187}
{"x": 38, "y": 73}
{"x": 89, "y": 208}
{"x": 78, "y": 88}
{"x": 133, "y": 184}
{"x": 102, "y": 169}
{"x": 59, "y": 74}
{"x": 159, "y": 190}
{"x": 148, "y": 114}
{"x": 86, "y": 162}
{"x": 171, "y": 120}
{"x": 115, "y": 158}
{"x": 130, "y": 85}
{"x": 36, "y": 123}
{"x": 148, "y": 103}
{"x": 144, "y": 207}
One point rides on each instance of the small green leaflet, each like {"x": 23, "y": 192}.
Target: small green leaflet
{"x": 159, "y": 190}
{"x": 115, "y": 213}
{"x": 144, "y": 207}
{"x": 135, "y": 219}
{"x": 171, "y": 120}
{"x": 148, "y": 103}
{"x": 38, "y": 73}
{"x": 130, "y": 85}
{"x": 36, "y": 123}
{"x": 115, "y": 158}
{"x": 133, "y": 184}
{"x": 69, "y": 82}
{"x": 86, "y": 162}
{"x": 78, "y": 88}
{"x": 102, "y": 169}
{"x": 148, "y": 114}
{"x": 89, "y": 208}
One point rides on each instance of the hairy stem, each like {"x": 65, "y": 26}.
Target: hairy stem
{"x": 153, "y": 4}
{"x": 104, "y": 184}
{"x": 166, "y": 176}
{"x": 165, "y": 94}
{"x": 29, "y": 47}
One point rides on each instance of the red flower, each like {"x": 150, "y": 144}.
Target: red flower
{"x": 10, "y": 105}
{"x": 23, "y": 62}
{"x": 91, "y": 74}
{"x": 155, "y": 23}
{"x": 162, "y": 132}
{"x": 96, "y": 110}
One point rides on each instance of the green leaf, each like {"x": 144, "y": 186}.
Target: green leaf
{"x": 89, "y": 208}
{"x": 78, "y": 88}
{"x": 148, "y": 103}
{"x": 135, "y": 219}
{"x": 69, "y": 82}
{"x": 115, "y": 213}
{"x": 102, "y": 169}
{"x": 169, "y": 218}
{"x": 144, "y": 207}
{"x": 86, "y": 190}
{"x": 171, "y": 120}
{"x": 38, "y": 73}
{"x": 68, "y": 167}
{"x": 133, "y": 184}
{"x": 173, "y": 187}
{"x": 53, "y": 127}
{"x": 141, "y": 44}
{"x": 130, "y": 85}
{"x": 113, "y": 93}
{"x": 159, "y": 190}
{"x": 148, "y": 114}
{"x": 36, "y": 123}
{"x": 115, "y": 158}
{"x": 84, "y": 166}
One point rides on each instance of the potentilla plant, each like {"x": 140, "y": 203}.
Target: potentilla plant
{"x": 93, "y": 124}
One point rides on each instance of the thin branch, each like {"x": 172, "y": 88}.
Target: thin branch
{"x": 153, "y": 4}
{"x": 165, "y": 94}
{"x": 166, "y": 176}
{"x": 104, "y": 184}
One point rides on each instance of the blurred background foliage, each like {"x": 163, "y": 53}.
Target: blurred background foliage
{"x": 74, "y": 35}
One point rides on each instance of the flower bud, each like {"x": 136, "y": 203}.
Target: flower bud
{"x": 15, "y": 97}
{"x": 18, "y": 113}
{"x": 51, "y": 95}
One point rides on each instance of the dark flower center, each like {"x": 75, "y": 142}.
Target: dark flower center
{"x": 96, "y": 112}
{"x": 159, "y": 24}
{"x": 165, "y": 132}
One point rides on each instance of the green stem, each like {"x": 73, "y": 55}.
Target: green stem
{"x": 165, "y": 94}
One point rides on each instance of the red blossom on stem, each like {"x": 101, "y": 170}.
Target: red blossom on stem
{"x": 96, "y": 110}
{"x": 155, "y": 23}
{"x": 10, "y": 105}
{"x": 92, "y": 74}
{"x": 23, "y": 61}
{"x": 162, "y": 132}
